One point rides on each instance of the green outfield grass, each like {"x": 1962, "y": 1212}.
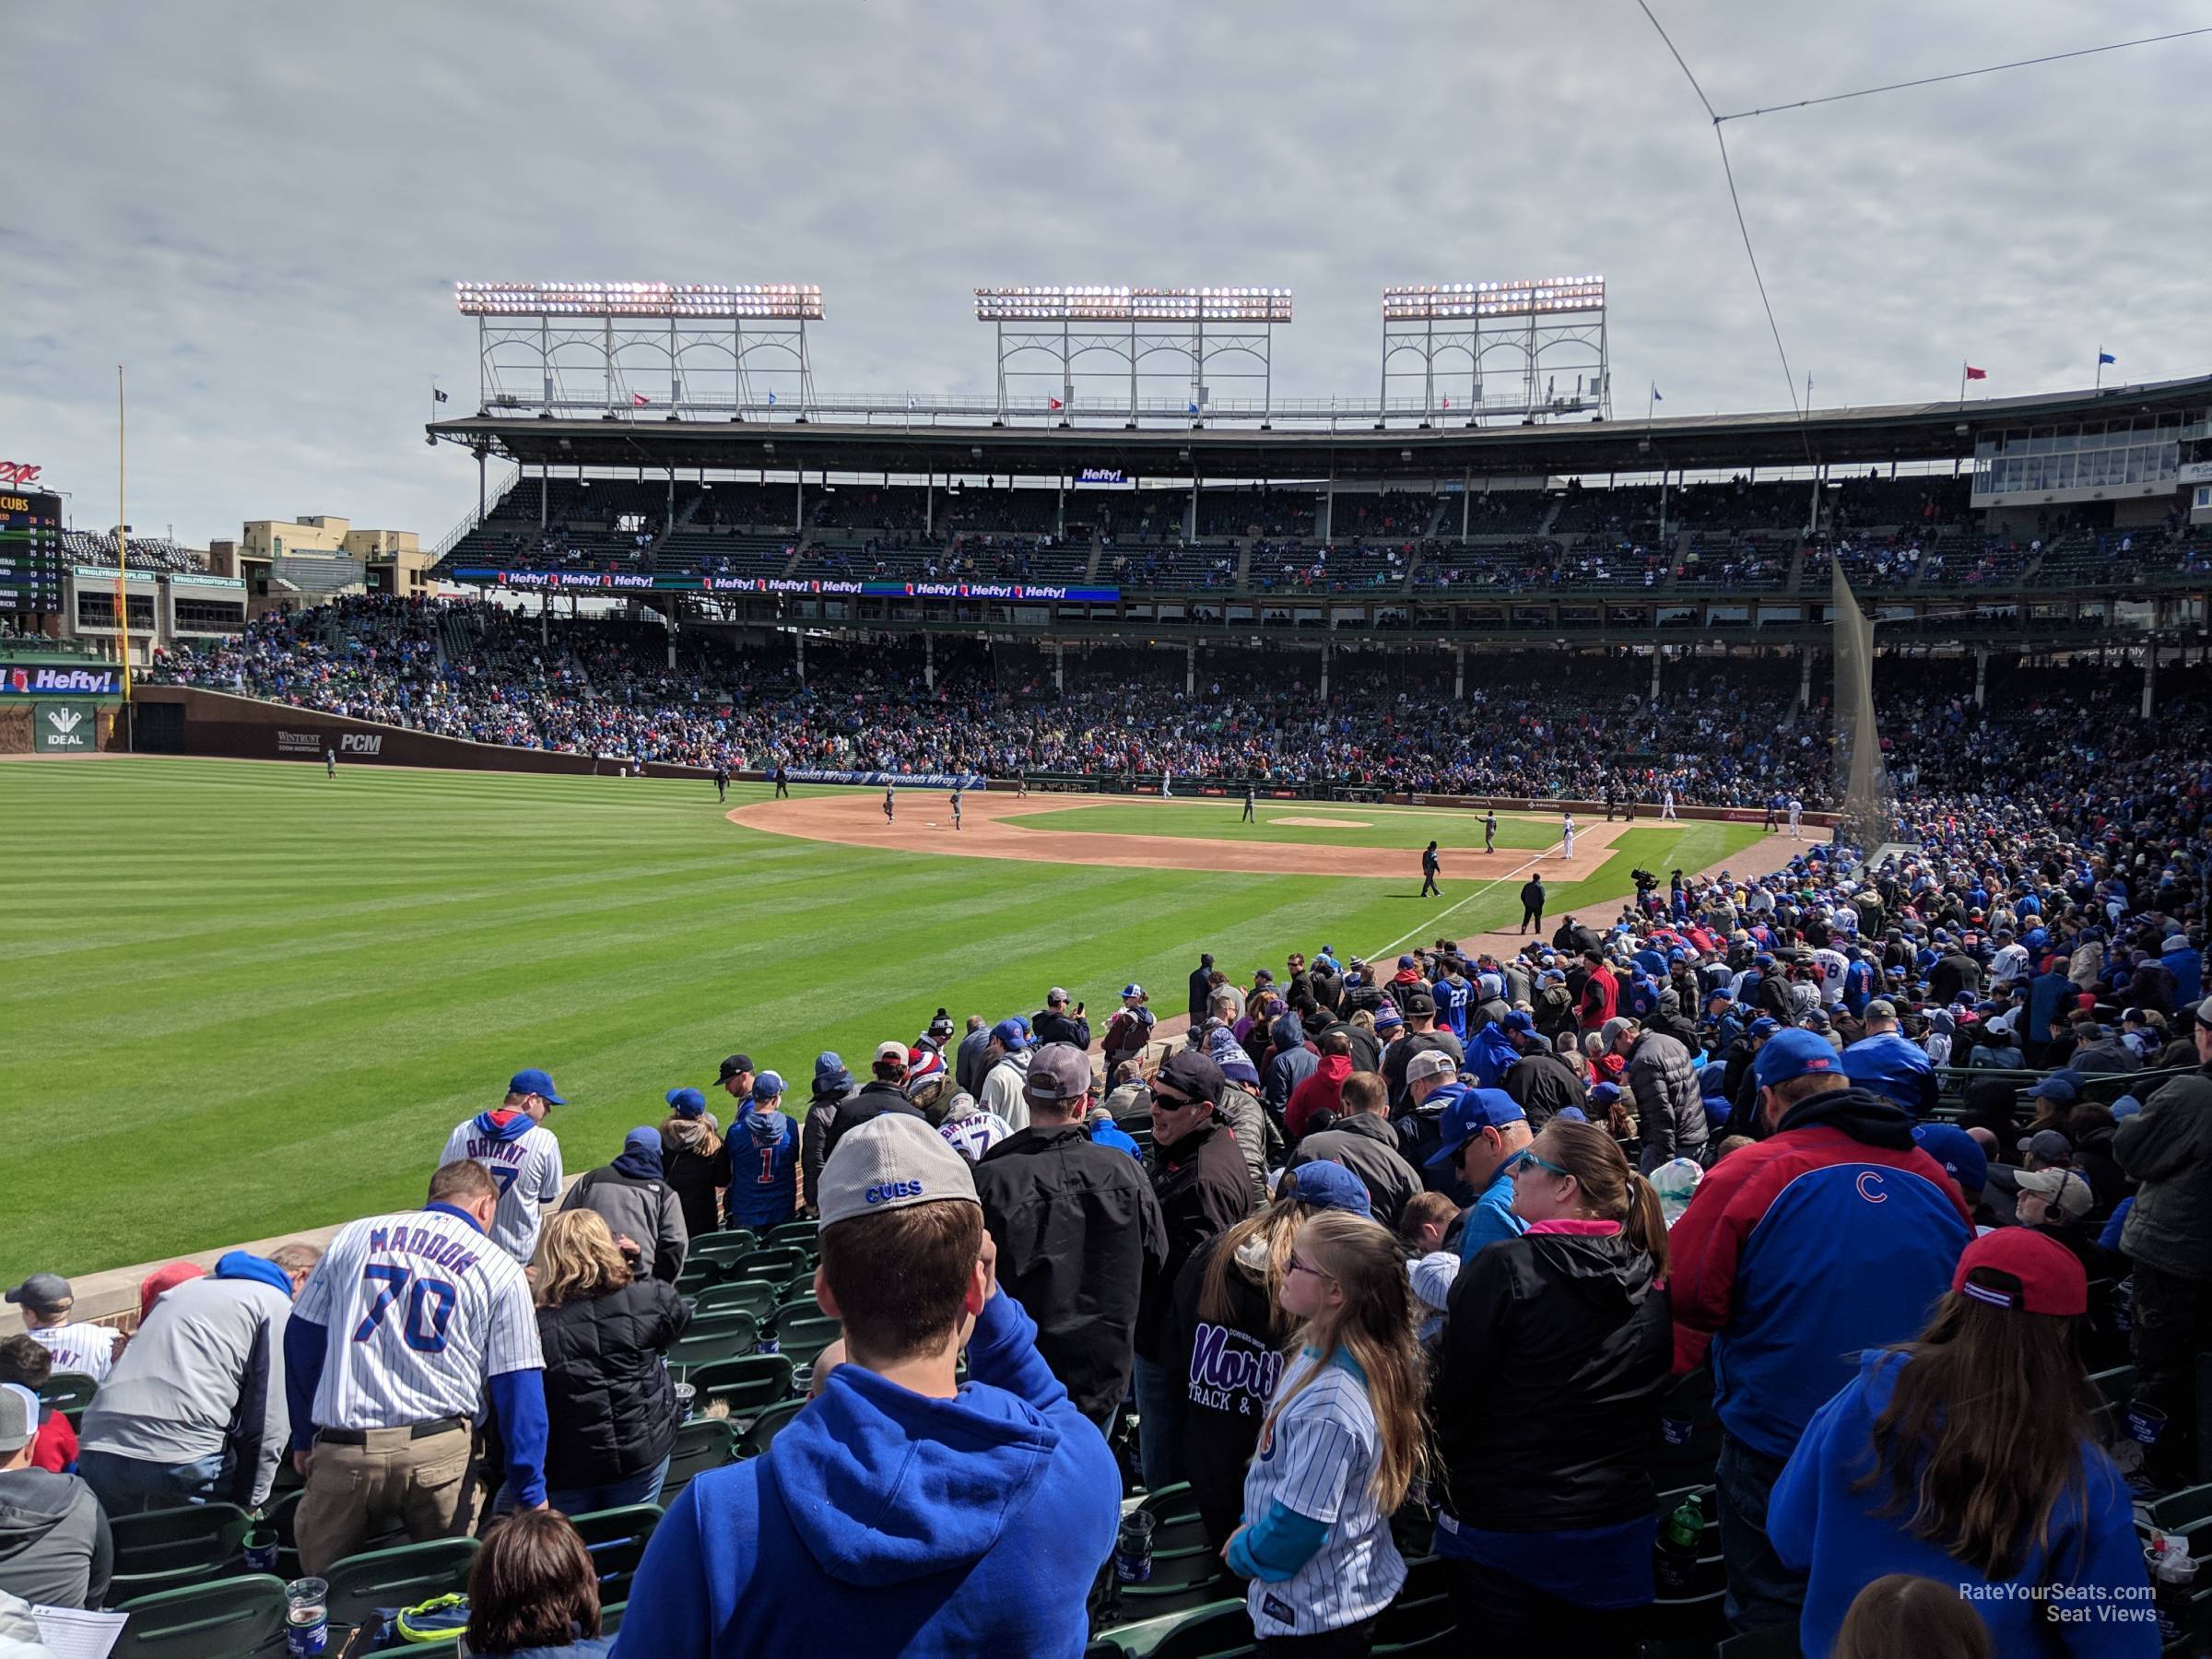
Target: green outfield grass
{"x": 243, "y": 998}
{"x": 1397, "y": 828}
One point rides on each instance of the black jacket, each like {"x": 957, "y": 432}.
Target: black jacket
{"x": 1543, "y": 1084}
{"x": 814, "y": 1132}
{"x": 1060, "y": 1028}
{"x": 694, "y": 1176}
{"x": 1080, "y": 1243}
{"x": 1368, "y": 1147}
{"x": 610, "y": 1405}
{"x": 874, "y": 1099}
{"x": 1203, "y": 1189}
{"x": 1229, "y": 1369}
{"x": 1202, "y": 992}
{"x": 1575, "y": 1332}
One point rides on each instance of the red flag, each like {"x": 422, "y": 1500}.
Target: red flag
{"x": 1974, "y": 373}
{"x": 638, "y": 400}
{"x": 1447, "y": 403}
{"x": 1054, "y": 403}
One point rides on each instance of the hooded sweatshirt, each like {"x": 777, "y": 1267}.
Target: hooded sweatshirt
{"x": 880, "y": 1521}
{"x": 1293, "y": 1061}
{"x": 54, "y": 1550}
{"x": 1321, "y": 1090}
{"x": 524, "y": 1158}
{"x": 764, "y": 1168}
{"x": 696, "y": 1163}
{"x": 634, "y": 1201}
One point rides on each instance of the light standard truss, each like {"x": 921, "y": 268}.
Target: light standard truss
{"x": 1193, "y": 337}
{"x": 624, "y": 348}
{"x": 1525, "y": 351}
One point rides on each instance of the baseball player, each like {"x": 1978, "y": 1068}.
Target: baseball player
{"x": 1431, "y": 865}
{"x": 1566, "y": 835}
{"x": 956, "y": 808}
{"x": 330, "y": 762}
{"x": 1248, "y": 817}
{"x": 1666, "y": 805}
{"x": 1166, "y": 777}
{"x": 77, "y": 1344}
{"x": 520, "y": 1153}
{"x": 404, "y": 1325}
{"x": 1489, "y": 830}
{"x": 890, "y": 792}
{"x": 721, "y": 781}
{"x": 1797, "y": 812}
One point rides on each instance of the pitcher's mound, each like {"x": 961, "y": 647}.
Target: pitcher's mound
{"x": 1318, "y": 823}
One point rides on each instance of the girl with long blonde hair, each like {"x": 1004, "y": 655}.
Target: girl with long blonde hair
{"x": 1341, "y": 1443}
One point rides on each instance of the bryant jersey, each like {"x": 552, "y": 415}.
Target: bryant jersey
{"x": 975, "y": 1133}
{"x": 1319, "y": 1459}
{"x": 88, "y": 1350}
{"x": 528, "y": 1170}
{"x": 417, "y": 1310}
{"x": 764, "y": 1178}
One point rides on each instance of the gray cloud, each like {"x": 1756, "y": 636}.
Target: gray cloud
{"x": 260, "y": 208}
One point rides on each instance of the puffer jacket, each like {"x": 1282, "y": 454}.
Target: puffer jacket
{"x": 1572, "y": 1326}
{"x": 609, "y": 1404}
{"x": 693, "y": 1173}
{"x": 2168, "y": 1148}
{"x": 1668, "y": 1106}
{"x": 1257, "y": 1138}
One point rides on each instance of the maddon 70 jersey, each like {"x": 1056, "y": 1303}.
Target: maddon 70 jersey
{"x": 419, "y": 1308}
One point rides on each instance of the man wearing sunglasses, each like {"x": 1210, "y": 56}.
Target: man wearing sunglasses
{"x": 1484, "y": 1132}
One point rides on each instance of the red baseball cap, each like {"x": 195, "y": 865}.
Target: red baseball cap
{"x": 2050, "y": 1278}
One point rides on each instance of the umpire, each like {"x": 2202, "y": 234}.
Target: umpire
{"x": 1532, "y": 905}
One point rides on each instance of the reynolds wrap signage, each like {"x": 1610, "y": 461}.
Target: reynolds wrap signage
{"x": 903, "y": 780}
{"x": 26, "y": 680}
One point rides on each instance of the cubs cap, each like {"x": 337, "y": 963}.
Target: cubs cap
{"x": 687, "y": 1102}
{"x": 889, "y": 1162}
{"x": 1520, "y": 1019}
{"x": 732, "y": 1067}
{"x": 2017, "y": 1267}
{"x": 1960, "y": 1154}
{"x": 1331, "y": 1187}
{"x": 1794, "y": 1053}
{"x": 535, "y": 1081}
{"x": 1465, "y": 1118}
{"x": 1430, "y": 1063}
{"x": 768, "y": 1086}
{"x": 1058, "y": 1072}
{"x": 1404, "y": 961}
{"x": 1011, "y": 1033}
{"x": 43, "y": 1293}
{"x": 18, "y": 1416}
{"x": 1132, "y": 989}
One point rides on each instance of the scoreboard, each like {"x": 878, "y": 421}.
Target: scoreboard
{"x": 30, "y": 551}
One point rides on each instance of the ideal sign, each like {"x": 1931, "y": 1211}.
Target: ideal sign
{"x": 65, "y": 728}
{"x": 19, "y": 475}
{"x": 26, "y": 681}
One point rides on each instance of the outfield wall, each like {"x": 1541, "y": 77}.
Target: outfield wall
{"x": 245, "y": 728}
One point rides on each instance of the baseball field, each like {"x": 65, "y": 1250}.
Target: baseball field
{"x": 244, "y": 998}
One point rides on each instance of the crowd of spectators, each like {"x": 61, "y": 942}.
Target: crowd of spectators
{"x": 1888, "y": 1153}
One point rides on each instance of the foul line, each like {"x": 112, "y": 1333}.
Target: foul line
{"x": 1478, "y": 893}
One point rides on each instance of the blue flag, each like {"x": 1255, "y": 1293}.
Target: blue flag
{"x": 1193, "y": 408}
{"x": 2106, "y": 357}
{"x": 771, "y": 400}
{"x": 1656, "y": 397}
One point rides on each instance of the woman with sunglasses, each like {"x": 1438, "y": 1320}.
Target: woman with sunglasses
{"x": 1557, "y": 1348}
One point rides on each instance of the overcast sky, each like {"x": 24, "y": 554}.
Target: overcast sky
{"x": 261, "y": 209}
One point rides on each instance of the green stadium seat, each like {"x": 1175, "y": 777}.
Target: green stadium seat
{"x": 801, "y": 1339}
{"x": 746, "y": 1385}
{"x": 397, "y": 1578}
{"x": 1214, "y": 1629}
{"x": 779, "y": 1263}
{"x": 610, "y": 1618}
{"x": 754, "y": 1296}
{"x": 68, "y": 1392}
{"x": 805, "y": 1233}
{"x": 702, "y": 1444}
{"x": 214, "y": 1620}
{"x": 1176, "y": 1502}
{"x": 725, "y": 1246}
{"x": 733, "y": 1331}
{"x": 1776, "y": 1641}
{"x": 617, "y": 1539}
{"x": 278, "y": 1516}
{"x": 766, "y": 1427}
{"x": 165, "y": 1549}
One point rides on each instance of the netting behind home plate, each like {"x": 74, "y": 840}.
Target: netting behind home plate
{"x": 1861, "y": 779}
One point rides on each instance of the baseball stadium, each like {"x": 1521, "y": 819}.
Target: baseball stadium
{"x": 1517, "y": 988}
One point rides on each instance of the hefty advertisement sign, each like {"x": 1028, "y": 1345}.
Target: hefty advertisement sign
{"x": 1033, "y": 593}
{"x": 36, "y": 681}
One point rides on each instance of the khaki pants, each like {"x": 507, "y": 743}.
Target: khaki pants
{"x": 353, "y": 1493}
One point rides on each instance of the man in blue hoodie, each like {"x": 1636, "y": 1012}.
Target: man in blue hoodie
{"x": 764, "y": 1160}
{"x": 902, "y": 1512}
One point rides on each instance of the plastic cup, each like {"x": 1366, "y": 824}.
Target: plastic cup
{"x": 306, "y": 1616}
{"x": 684, "y": 1397}
{"x": 259, "y": 1550}
{"x": 2144, "y": 1424}
{"x": 1678, "y": 1431}
{"x": 1132, "y": 1549}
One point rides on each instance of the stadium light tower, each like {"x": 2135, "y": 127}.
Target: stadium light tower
{"x": 630, "y": 347}
{"x": 1209, "y": 334}
{"x": 1509, "y": 345}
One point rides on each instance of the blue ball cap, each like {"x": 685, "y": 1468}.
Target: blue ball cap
{"x": 1520, "y": 1019}
{"x": 768, "y": 1086}
{"x": 1570, "y": 1114}
{"x": 826, "y": 1062}
{"x": 535, "y": 1081}
{"x": 1795, "y": 1053}
{"x": 1960, "y": 1154}
{"x": 1331, "y": 1187}
{"x": 1475, "y": 1111}
{"x": 1011, "y": 1033}
{"x": 687, "y": 1102}
{"x": 1766, "y": 1025}
{"x": 1404, "y": 961}
{"x": 1603, "y": 1094}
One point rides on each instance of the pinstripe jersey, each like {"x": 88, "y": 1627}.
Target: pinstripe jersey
{"x": 419, "y": 1308}
{"x": 87, "y": 1349}
{"x": 528, "y": 1172}
{"x": 1319, "y": 1460}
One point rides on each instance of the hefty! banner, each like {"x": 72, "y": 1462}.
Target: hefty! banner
{"x": 25, "y": 680}
{"x": 876, "y": 780}
{"x": 1038, "y": 593}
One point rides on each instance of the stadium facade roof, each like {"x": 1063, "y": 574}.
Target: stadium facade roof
{"x": 863, "y": 438}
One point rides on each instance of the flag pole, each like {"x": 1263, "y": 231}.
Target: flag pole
{"x": 123, "y": 559}
{"x": 2100, "y": 384}
{"x": 1962, "y": 382}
